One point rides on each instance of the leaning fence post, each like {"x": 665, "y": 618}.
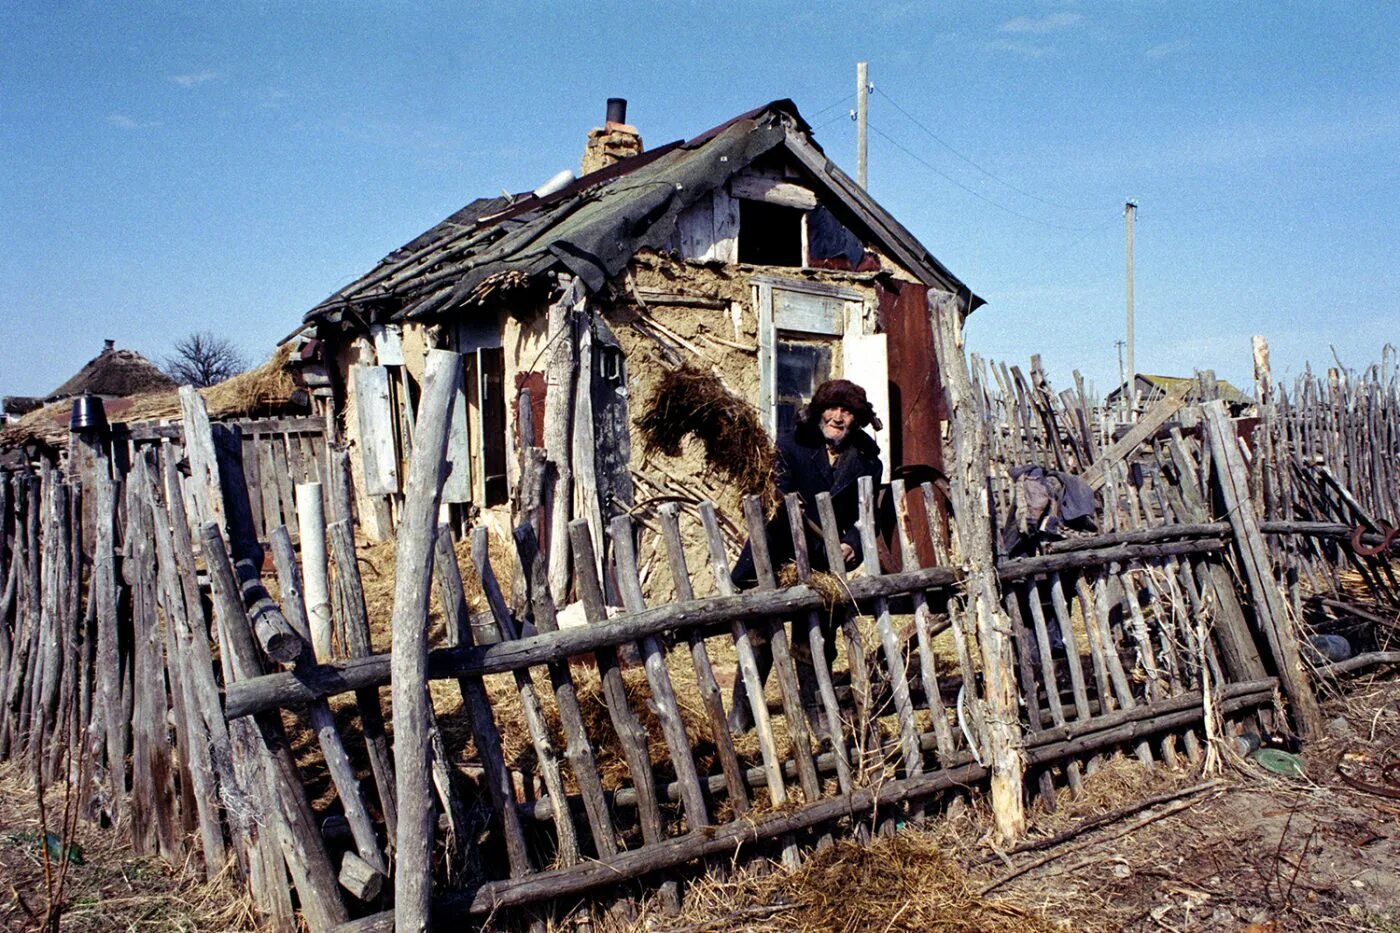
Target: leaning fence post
{"x": 413, "y": 581}
{"x": 1268, "y": 601}
{"x": 972, "y": 511}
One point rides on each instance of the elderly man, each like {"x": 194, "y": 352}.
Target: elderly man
{"x": 828, "y": 452}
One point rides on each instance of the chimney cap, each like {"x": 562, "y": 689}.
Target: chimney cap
{"x": 617, "y": 110}
{"x": 109, "y": 344}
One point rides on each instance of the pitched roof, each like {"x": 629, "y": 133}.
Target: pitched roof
{"x": 116, "y": 373}
{"x": 1167, "y": 384}
{"x": 593, "y": 226}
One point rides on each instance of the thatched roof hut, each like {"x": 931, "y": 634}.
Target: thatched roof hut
{"x": 268, "y": 389}
{"x": 114, "y": 373}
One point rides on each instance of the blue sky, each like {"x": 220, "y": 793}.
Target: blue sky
{"x": 174, "y": 166}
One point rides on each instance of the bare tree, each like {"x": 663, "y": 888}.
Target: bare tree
{"x": 203, "y": 358}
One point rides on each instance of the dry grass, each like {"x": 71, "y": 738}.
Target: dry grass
{"x": 690, "y": 401}
{"x": 907, "y": 882}
{"x": 113, "y": 889}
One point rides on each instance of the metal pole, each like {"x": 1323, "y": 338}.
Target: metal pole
{"x": 862, "y": 106}
{"x": 1130, "y": 385}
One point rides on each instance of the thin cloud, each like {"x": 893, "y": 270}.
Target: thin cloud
{"x": 194, "y": 78}
{"x": 1050, "y": 22}
{"x": 1027, "y": 50}
{"x": 1166, "y": 49}
{"x": 123, "y": 122}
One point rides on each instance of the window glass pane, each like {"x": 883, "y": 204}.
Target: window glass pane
{"x": 801, "y": 367}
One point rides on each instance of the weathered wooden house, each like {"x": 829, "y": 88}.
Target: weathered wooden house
{"x": 743, "y": 250}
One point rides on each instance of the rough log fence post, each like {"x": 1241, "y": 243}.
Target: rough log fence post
{"x": 972, "y": 515}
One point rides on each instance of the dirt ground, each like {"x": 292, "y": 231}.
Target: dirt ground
{"x": 1253, "y": 852}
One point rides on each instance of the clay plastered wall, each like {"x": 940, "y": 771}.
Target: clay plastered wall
{"x": 734, "y": 323}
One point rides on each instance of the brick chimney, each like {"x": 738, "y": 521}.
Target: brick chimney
{"x": 614, "y": 141}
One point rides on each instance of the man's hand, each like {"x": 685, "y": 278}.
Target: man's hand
{"x": 848, "y": 553}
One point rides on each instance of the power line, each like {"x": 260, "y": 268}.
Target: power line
{"x": 1001, "y": 181}
{"x": 816, "y": 113}
{"x": 836, "y": 119}
{"x": 972, "y": 191}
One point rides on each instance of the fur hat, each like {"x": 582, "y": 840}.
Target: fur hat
{"x": 843, "y": 393}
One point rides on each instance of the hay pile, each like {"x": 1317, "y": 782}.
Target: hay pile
{"x": 689, "y": 401}
{"x": 906, "y": 882}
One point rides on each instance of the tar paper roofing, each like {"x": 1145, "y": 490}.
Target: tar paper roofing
{"x": 594, "y": 226}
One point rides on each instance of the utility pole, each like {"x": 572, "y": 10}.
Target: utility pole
{"x": 862, "y": 109}
{"x": 1130, "y": 391}
{"x": 1121, "y": 381}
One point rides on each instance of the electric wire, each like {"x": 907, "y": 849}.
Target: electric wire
{"x": 972, "y": 191}
{"x": 816, "y": 113}
{"x": 1001, "y": 181}
{"x": 836, "y": 119}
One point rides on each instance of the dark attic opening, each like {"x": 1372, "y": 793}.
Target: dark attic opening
{"x": 770, "y": 234}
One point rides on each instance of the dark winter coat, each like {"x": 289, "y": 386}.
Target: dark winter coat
{"x": 804, "y": 468}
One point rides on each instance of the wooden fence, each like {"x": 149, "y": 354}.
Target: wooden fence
{"x": 158, "y": 674}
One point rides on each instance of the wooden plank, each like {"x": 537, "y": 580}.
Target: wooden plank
{"x": 862, "y": 694}
{"x": 928, "y": 670}
{"x": 705, "y": 681}
{"x": 767, "y": 360}
{"x": 696, "y": 227}
{"x": 266, "y": 490}
{"x": 630, "y": 734}
{"x": 807, "y": 313}
{"x": 210, "y": 728}
{"x": 285, "y": 497}
{"x": 894, "y": 655}
{"x": 772, "y": 191}
{"x": 194, "y": 746}
{"x": 199, "y": 450}
{"x": 252, "y": 477}
{"x": 558, "y": 431}
{"x": 817, "y": 648}
{"x": 302, "y": 847}
{"x": 412, "y": 585}
{"x": 378, "y": 460}
{"x": 1147, "y": 425}
{"x": 794, "y": 716}
{"x": 726, "y": 227}
{"x": 457, "y": 488}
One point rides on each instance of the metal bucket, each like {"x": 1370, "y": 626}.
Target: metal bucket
{"x": 89, "y": 414}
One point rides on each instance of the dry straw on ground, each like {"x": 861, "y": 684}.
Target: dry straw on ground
{"x": 112, "y": 889}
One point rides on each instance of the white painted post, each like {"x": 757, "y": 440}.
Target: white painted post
{"x": 311, "y": 524}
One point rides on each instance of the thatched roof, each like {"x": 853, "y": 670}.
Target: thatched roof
{"x": 114, "y": 373}
{"x": 269, "y": 389}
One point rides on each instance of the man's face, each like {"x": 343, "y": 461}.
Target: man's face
{"x": 836, "y": 425}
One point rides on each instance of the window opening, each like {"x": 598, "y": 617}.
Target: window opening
{"x": 770, "y": 234}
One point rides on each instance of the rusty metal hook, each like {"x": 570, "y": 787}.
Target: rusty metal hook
{"x": 1388, "y": 533}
